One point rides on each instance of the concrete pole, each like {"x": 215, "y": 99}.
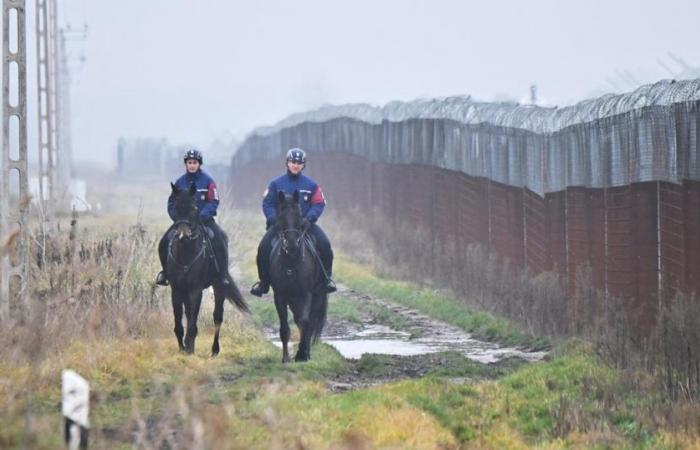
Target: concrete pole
{"x": 60, "y": 181}
{"x": 14, "y": 268}
{"x": 45, "y": 108}
{"x": 63, "y": 107}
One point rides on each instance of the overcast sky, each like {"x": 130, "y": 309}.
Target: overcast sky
{"x": 194, "y": 70}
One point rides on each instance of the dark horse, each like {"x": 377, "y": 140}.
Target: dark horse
{"x": 191, "y": 269}
{"x": 297, "y": 278}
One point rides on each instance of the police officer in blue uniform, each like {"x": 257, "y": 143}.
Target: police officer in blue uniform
{"x": 312, "y": 205}
{"x": 207, "y": 201}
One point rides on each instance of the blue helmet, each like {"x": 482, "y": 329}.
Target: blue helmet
{"x": 296, "y": 155}
{"x": 194, "y": 154}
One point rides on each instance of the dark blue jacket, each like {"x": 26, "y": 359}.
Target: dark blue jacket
{"x": 310, "y": 196}
{"x": 206, "y": 198}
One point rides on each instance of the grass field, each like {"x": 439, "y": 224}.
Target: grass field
{"x": 146, "y": 394}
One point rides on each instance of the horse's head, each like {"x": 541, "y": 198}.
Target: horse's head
{"x": 289, "y": 222}
{"x": 186, "y": 212}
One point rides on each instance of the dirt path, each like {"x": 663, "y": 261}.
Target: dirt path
{"x": 392, "y": 342}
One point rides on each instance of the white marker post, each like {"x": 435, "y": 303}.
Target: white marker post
{"x": 76, "y": 404}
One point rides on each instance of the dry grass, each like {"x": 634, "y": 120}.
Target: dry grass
{"x": 539, "y": 303}
{"x": 94, "y": 308}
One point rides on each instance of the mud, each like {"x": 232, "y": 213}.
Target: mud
{"x": 379, "y": 352}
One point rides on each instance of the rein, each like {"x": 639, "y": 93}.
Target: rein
{"x": 186, "y": 267}
{"x": 302, "y": 243}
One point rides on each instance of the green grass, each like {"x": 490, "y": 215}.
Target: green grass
{"x": 246, "y": 398}
{"x": 451, "y": 310}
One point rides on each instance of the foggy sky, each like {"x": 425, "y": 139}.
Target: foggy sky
{"x": 193, "y": 70}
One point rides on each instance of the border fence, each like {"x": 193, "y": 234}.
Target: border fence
{"x": 612, "y": 184}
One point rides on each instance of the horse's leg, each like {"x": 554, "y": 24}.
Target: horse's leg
{"x": 192, "y": 304}
{"x": 176, "y": 298}
{"x": 281, "y": 307}
{"x": 218, "y": 317}
{"x": 302, "y": 319}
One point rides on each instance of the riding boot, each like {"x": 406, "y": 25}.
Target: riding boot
{"x": 162, "y": 278}
{"x": 221, "y": 255}
{"x": 330, "y": 284}
{"x": 327, "y": 260}
{"x": 263, "y": 286}
{"x": 260, "y": 288}
{"x": 263, "y": 260}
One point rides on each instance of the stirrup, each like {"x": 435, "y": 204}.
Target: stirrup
{"x": 330, "y": 286}
{"x": 259, "y": 289}
{"x": 162, "y": 279}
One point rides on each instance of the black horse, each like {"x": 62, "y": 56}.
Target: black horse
{"x": 296, "y": 276}
{"x": 191, "y": 268}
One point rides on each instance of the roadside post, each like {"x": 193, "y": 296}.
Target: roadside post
{"x": 75, "y": 392}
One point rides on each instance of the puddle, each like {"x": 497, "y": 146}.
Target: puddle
{"x": 380, "y": 339}
{"x": 353, "y": 340}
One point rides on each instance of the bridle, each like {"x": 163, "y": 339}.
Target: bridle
{"x": 284, "y": 241}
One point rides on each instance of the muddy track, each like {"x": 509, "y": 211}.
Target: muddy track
{"x": 392, "y": 342}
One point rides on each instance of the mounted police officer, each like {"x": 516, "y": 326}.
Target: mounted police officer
{"x": 207, "y": 201}
{"x": 312, "y": 205}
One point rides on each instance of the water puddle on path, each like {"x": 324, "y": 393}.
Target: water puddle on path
{"x": 435, "y": 336}
{"x": 380, "y": 339}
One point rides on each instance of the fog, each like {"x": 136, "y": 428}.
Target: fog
{"x": 193, "y": 71}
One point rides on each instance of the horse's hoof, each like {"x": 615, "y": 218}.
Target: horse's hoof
{"x": 215, "y": 350}
{"x": 302, "y": 358}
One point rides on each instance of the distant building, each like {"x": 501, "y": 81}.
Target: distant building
{"x": 148, "y": 158}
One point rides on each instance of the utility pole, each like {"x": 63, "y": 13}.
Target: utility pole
{"x": 63, "y": 107}
{"x": 46, "y": 108}
{"x": 60, "y": 175}
{"x": 14, "y": 267}
{"x": 63, "y": 101}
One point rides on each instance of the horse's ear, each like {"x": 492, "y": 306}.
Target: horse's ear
{"x": 193, "y": 189}
{"x": 174, "y": 188}
{"x": 280, "y": 197}
{"x": 296, "y": 196}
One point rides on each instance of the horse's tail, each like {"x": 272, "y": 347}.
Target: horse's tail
{"x": 319, "y": 308}
{"x": 233, "y": 295}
